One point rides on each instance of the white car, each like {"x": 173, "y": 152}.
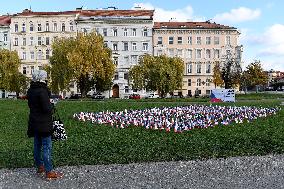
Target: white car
{"x": 153, "y": 95}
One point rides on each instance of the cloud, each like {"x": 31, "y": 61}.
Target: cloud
{"x": 162, "y": 15}
{"x": 272, "y": 41}
{"x": 238, "y": 15}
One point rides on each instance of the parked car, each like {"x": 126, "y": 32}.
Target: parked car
{"x": 75, "y": 96}
{"x": 56, "y": 97}
{"x": 98, "y": 96}
{"x": 152, "y": 95}
{"x": 134, "y": 96}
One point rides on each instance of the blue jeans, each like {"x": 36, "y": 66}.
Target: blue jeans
{"x": 42, "y": 152}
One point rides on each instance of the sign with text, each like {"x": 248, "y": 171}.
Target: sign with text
{"x": 222, "y": 95}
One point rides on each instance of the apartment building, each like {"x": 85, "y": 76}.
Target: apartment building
{"x": 5, "y": 31}
{"x": 200, "y": 45}
{"x": 128, "y": 33}
{"x": 32, "y": 34}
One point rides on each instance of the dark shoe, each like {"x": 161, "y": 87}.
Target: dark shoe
{"x": 40, "y": 169}
{"x": 52, "y": 175}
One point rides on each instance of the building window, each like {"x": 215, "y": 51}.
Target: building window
{"x": 39, "y": 55}
{"x": 198, "y": 53}
{"x": 39, "y": 40}
{"x": 179, "y": 40}
{"x": 71, "y": 26}
{"x": 47, "y": 40}
{"x": 115, "y": 46}
{"x": 208, "y": 40}
{"x": 189, "y": 68}
{"x": 16, "y": 27}
{"x": 179, "y": 53}
{"x": 208, "y": 53}
{"x": 31, "y": 26}
{"x": 189, "y": 93}
{"x": 39, "y": 27}
{"x": 5, "y": 37}
{"x": 46, "y": 26}
{"x": 105, "y": 44}
{"x": 47, "y": 54}
{"x": 198, "y": 82}
{"x": 189, "y": 40}
{"x": 207, "y": 82}
{"x": 105, "y": 32}
{"x": 198, "y": 40}
{"x": 24, "y": 70}
{"x": 55, "y": 27}
{"x": 32, "y": 55}
{"x": 126, "y": 76}
{"x": 208, "y": 67}
{"x": 159, "y": 52}
{"x": 115, "y": 60}
{"x": 216, "y": 53}
{"x": 134, "y": 46}
{"x": 189, "y": 53}
{"x": 24, "y": 41}
{"x": 145, "y": 46}
{"x": 189, "y": 82}
{"x": 32, "y": 69}
{"x": 114, "y": 32}
{"x": 31, "y": 41}
{"x": 134, "y": 59}
{"x": 116, "y": 76}
{"x": 145, "y": 32}
{"x": 134, "y": 32}
{"x": 125, "y": 46}
{"x": 125, "y": 32}
{"x": 63, "y": 27}
{"x": 126, "y": 89}
{"x": 16, "y": 42}
{"x": 24, "y": 56}
{"x": 160, "y": 40}
{"x": 216, "y": 40}
{"x": 126, "y": 59}
{"x": 208, "y": 92}
{"x": 198, "y": 68}
{"x": 228, "y": 40}
{"x": 171, "y": 40}
{"x": 171, "y": 52}
{"x": 23, "y": 27}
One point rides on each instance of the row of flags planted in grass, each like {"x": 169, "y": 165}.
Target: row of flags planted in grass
{"x": 177, "y": 119}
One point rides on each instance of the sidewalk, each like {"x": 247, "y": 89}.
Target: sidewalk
{"x": 237, "y": 172}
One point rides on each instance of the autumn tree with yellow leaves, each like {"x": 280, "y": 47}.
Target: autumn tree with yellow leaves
{"x": 83, "y": 59}
{"x": 157, "y": 73}
{"x": 10, "y": 77}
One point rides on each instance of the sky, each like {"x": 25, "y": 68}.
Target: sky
{"x": 261, "y": 22}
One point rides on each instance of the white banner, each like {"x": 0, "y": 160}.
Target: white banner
{"x": 222, "y": 95}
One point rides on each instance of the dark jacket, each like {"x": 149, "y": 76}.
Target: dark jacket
{"x": 40, "y": 118}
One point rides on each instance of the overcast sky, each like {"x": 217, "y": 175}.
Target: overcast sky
{"x": 261, "y": 22}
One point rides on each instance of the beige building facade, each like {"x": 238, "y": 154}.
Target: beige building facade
{"x": 32, "y": 34}
{"x": 200, "y": 45}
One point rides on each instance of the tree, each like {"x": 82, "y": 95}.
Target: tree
{"x": 83, "y": 59}
{"x": 160, "y": 73}
{"x": 217, "y": 75}
{"x": 230, "y": 71}
{"x": 255, "y": 75}
{"x": 10, "y": 77}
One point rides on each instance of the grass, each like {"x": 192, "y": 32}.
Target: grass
{"x": 89, "y": 144}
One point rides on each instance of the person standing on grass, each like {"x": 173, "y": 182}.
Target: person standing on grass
{"x": 40, "y": 124}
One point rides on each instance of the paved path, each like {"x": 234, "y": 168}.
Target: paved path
{"x": 238, "y": 172}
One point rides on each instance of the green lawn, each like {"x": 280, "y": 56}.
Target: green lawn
{"x": 89, "y": 144}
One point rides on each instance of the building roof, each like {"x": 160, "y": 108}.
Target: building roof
{"x": 190, "y": 25}
{"x": 5, "y": 20}
{"x": 103, "y": 13}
